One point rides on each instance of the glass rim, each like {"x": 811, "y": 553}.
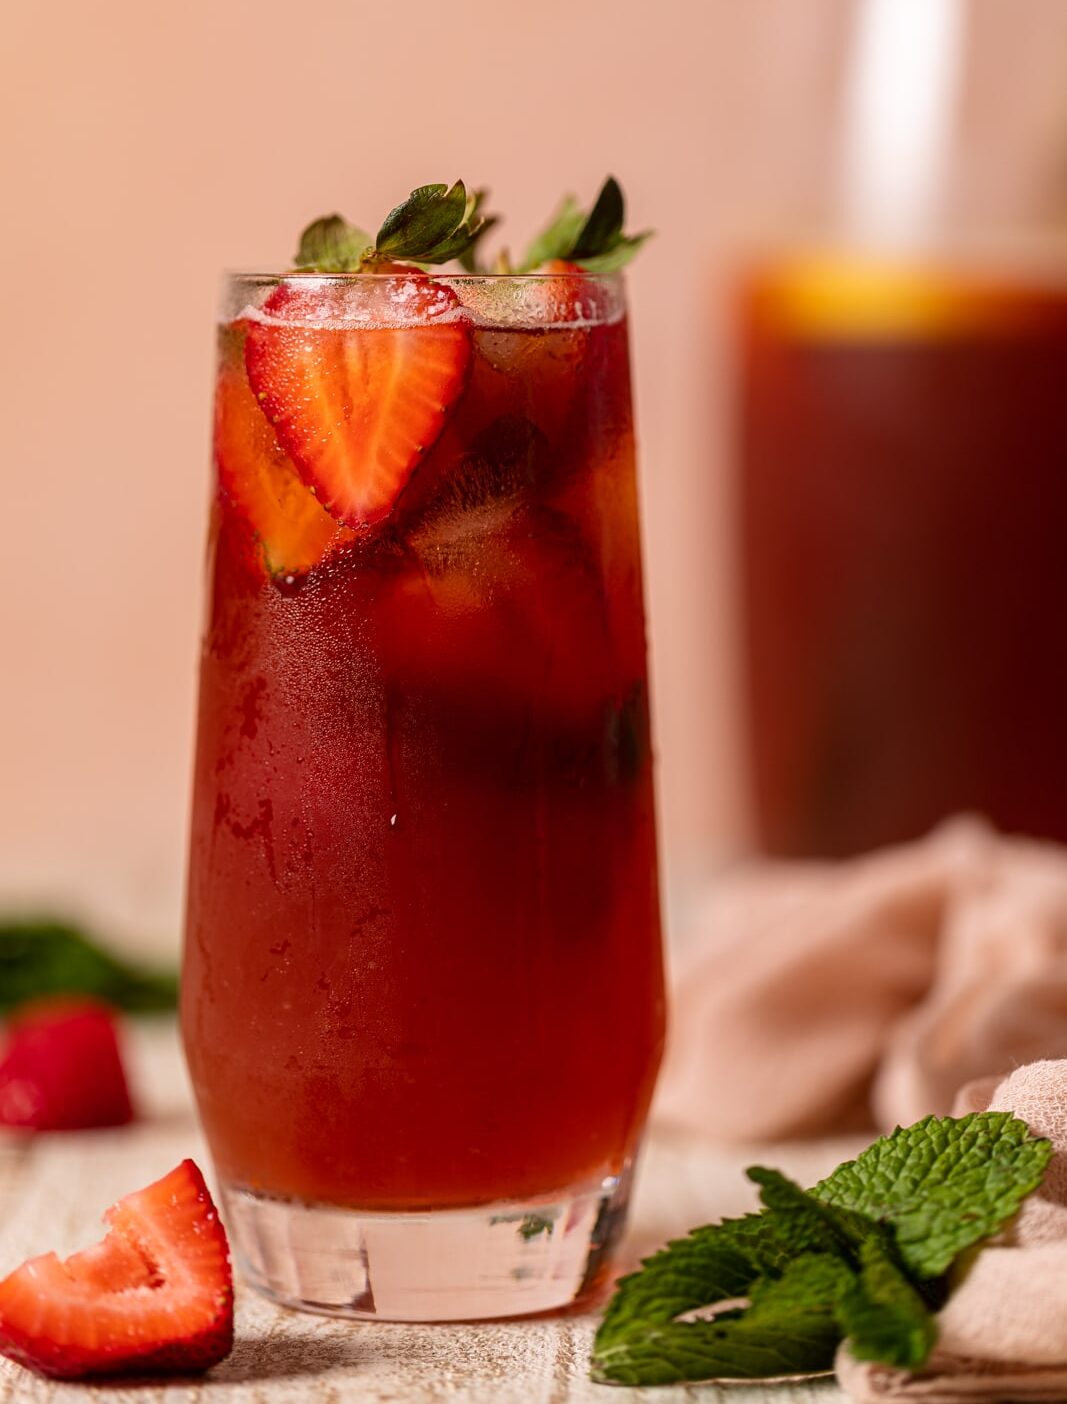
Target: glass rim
{"x": 240, "y": 275}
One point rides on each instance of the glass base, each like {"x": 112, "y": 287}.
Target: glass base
{"x": 496, "y": 1260}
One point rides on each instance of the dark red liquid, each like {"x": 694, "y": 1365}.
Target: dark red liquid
{"x": 904, "y": 481}
{"x": 422, "y": 962}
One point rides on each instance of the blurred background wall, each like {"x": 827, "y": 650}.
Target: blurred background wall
{"x": 146, "y": 147}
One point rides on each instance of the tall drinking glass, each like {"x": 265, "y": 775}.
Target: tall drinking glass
{"x": 422, "y": 998}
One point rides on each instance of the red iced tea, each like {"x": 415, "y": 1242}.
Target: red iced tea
{"x": 422, "y": 957}
{"x": 904, "y": 485}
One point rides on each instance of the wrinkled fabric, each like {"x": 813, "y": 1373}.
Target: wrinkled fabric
{"x": 818, "y": 997}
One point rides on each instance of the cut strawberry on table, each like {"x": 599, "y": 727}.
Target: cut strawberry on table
{"x": 257, "y": 476}
{"x": 61, "y": 1069}
{"x": 357, "y": 407}
{"x": 156, "y": 1295}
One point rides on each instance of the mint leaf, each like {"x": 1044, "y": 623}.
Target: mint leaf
{"x": 789, "y": 1329}
{"x": 424, "y": 221}
{"x": 46, "y": 957}
{"x": 713, "y": 1264}
{"x": 943, "y": 1184}
{"x": 332, "y": 245}
{"x": 641, "y": 1341}
{"x": 724, "y": 1260}
{"x": 870, "y": 1250}
{"x": 862, "y": 1255}
{"x": 882, "y": 1314}
{"x": 797, "y": 1213}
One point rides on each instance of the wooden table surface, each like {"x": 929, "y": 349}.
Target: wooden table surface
{"x": 53, "y": 1190}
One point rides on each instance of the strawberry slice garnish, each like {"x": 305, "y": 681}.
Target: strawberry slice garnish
{"x": 156, "y": 1295}
{"x": 61, "y": 1069}
{"x": 257, "y": 476}
{"x": 357, "y": 407}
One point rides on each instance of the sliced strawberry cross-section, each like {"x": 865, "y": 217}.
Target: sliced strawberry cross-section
{"x": 260, "y": 480}
{"x": 357, "y": 406}
{"x": 155, "y": 1296}
{"x": 61, "y": 1069}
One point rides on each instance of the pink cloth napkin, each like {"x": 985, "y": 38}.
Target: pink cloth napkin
{"x": 816, "y": 997}
{"x": 1003, "y": 1332}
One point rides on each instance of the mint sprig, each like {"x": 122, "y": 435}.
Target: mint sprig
{"x": 788, "y": 1328}
{"x": 863, "y": 1256}
{"x": 883, "y": 1314}
{"x": 439, "y": 224}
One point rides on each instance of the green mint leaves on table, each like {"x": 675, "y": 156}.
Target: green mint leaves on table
{"x": 437, "y": 224}
{"x": 40, "y": 958}
{"x": 862, "y": 1256}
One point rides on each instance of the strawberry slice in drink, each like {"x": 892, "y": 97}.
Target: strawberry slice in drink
{"x": 155, "y": 1296}
{"x": 356, "y": 404}
{"x": 259, "y": 479}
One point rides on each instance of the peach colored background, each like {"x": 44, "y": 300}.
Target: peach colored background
{"x": 148, "y": 146}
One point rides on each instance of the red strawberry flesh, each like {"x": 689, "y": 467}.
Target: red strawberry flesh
{"x": 61, "y": 1068}
{"x": 156, "y": 1295}
{"x": 357, "y": 401}
{"x": 294, "y": 532}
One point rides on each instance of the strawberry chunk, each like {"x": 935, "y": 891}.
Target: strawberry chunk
{"x": 356, "y": 407}
{"x": 61, "y": 1069}
{"x": 156, "y": 1295}
{"x": 259, "y": 479}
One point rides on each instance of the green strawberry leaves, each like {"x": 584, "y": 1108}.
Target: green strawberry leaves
{"x": 862, "y": 1256}
{"x": 558, "y": 238}
{"x": 425, "y": 220}
{"x": 593, "y": 241}
{"x": 332, "y": 245}
{"x": 435, "y": 224}
{"x": 439, "y": 224}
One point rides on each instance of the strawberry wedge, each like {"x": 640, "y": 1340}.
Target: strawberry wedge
{"x": 255, "y": 474}
{"x": 61, "y": 1068}
{"x": 155, "y": 1296}
{"x": 357, "y": 407}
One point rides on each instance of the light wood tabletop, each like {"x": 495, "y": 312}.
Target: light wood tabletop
{"x": 53, "y": 1190}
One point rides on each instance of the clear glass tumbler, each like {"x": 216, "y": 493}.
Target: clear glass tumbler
{"x": 422, "y": 999}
